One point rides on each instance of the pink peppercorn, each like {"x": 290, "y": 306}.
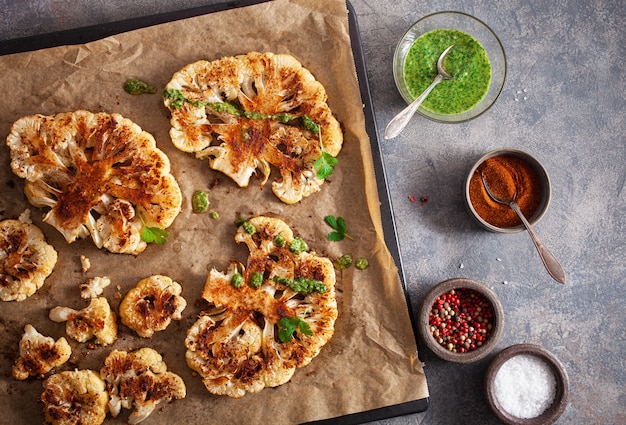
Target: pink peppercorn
{"x": 462, "y": 320}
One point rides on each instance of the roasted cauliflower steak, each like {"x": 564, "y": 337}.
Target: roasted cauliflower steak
{"x": 152, "y": 304}
{"x": 139, "y": 379}
{"x": 26, "y": 260}
{"x": 96, "y": 320}
{"x": 99, "y": 174}
{"x": 39, "y": 354}
{"x": 242, "y": 343}
{"x": 76, "y": 397}
{"x": 249, "y": 112}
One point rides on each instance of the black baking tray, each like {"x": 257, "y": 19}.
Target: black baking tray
{"x": 95, "y": 32}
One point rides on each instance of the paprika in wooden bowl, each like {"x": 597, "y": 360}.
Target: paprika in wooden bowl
{"x": 461, "y": 320}
{"x": 510, "y": 172}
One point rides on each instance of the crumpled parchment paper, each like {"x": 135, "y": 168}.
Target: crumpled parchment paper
{"x": 371, "y": 361}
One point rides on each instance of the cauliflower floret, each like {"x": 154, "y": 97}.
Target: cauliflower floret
{"x": 152, "y": 304}
{"x": 248, "y": 112}
{"x": 258, "y": 333}
{"x": 140, "y": 378}
{"x": 94, "y": 287}
{"x": 96, "y": 320}
{"x": 74, "y": 398}
{"x": 26, "y": 260}
{"x": 97, "y": 173}
{"x": 39, "y": 354}
{"x": 85, "y": 264}
{"x": 24, "y": 217}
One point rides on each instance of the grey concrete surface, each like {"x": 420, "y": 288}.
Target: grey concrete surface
{"x": 563, "y": 101}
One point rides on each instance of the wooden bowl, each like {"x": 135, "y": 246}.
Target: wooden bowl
{"x": 468, "y": 356}
{"x": 552, "y": 413}
{"x": 544, "y": 190}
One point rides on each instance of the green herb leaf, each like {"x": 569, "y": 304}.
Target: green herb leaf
{"x": 154, "y": 235}
{"x": 324, "y": 165}
{"x": 288, "y": 325}
{"x": 335, "y": 236}
{"x": 331, "y": 220}
{"x": 339, "y": 224}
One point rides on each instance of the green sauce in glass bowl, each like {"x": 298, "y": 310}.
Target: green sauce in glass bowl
{"x": 472, "y": 39}
{"x": 467, "y": 62}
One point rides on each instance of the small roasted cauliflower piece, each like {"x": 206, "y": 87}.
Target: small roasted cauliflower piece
{"x": 97, "y": 174}
{"x": 139, "y": 379}
{"x": 249, "y": 112}
{"x": 96, "y": 320}
{"x": 273, "y": 319}
{"x": 74, "y": 398}
{"x": 26, "y": 260}
{"x": 85, "y": 264}
{"x": 152, "y": 304}
{"x": 94, "y": 287}
{"x": 39, "y": 354}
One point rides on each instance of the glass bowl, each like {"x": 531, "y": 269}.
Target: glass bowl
{"x": 469, "y": 25}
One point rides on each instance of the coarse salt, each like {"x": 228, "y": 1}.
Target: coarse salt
{"x": 525, "y": 386}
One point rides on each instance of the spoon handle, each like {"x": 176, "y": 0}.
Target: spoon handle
{"x": 549, "y": 260}
{"x": 397, "y": 124}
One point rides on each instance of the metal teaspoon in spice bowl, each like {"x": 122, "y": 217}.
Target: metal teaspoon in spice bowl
{"x": 507, "y": 197}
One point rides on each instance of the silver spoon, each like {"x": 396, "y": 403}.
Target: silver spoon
{"x": 397, "y": 124}
{"x": 549, "y": 260}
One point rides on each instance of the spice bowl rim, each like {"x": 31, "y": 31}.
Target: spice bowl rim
{"x": 546, "y": 194}
{"x": 550, "y": 415}
{"x": 471, "y": 25}
{"x": 457, "y": 283}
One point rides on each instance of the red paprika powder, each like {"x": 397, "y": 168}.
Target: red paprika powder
{"x": 508, "y": 175}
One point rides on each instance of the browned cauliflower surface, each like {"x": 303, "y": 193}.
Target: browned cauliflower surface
{"x": 139, "y": 379}
{"x": 96, "y": 320}
{"x": 248, "y": 112}
{"x": 266, "y": 319}
{"x": 26, "y": 260}
{"x": 152, "y": 304}
{"x": 39, "y": 354}
{"x": 96, "y": 173}
{"x": 74, "y": 398}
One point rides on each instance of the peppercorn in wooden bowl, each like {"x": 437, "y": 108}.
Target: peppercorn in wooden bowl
{"x": 510, "y": 173}
{"x": 525, "y": 384}
{"x": 461, "y": 320}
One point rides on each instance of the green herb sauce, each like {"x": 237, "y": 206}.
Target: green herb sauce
{"x": 467, "y": 62}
